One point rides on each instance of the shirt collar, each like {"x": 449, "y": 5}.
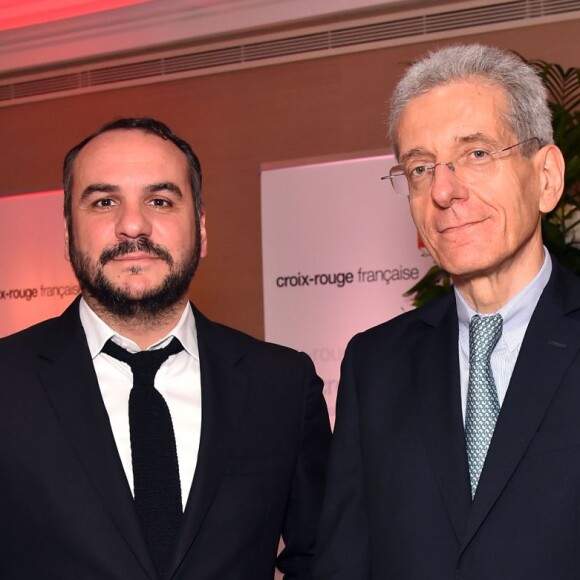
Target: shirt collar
{"x": 517, "y": 312}
{"x": 98, "y": 332}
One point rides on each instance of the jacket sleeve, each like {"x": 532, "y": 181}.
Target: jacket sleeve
{"x": 342, "y": 549}
{"x": 303, "y": 510}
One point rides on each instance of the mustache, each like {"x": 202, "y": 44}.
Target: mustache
{"x": 138, "y": 245}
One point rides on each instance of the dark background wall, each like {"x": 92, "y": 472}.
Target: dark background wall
{"x": 238, "y": 121}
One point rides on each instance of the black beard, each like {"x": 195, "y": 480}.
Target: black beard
{"x": 116, "y": 301}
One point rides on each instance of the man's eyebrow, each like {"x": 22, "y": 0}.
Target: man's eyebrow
{"x": 474, "y": 138}
{"x": 461, "y": 140}
{"x": 415, "y": 152}
{"x": 164, "y": 186}
{"x": 98, "y": 188}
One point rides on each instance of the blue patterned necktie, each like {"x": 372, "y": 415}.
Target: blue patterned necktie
{"x": 482, "y": 402}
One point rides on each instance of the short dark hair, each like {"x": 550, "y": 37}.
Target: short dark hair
{"x": 147, "y": 125}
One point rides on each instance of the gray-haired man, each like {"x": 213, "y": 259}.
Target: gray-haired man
{"x": 456, "y": 452}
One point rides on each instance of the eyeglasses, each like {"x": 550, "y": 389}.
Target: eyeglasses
{"x": 414, "y": 178}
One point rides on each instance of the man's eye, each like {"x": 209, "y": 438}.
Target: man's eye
{"x": 160, "y": 203}
{"x": 478, "y": 155}
{"x": 105, "y": 202}
{"x": 416, "y": 171}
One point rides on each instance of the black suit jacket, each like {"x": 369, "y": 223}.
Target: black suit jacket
{"x": 66, "y": 511}
{"x": 398, "y": 504}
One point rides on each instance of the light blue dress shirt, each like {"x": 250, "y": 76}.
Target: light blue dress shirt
{"x": 516, "y": 316}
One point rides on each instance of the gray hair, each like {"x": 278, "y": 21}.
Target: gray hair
{"x": 527, "y": 115}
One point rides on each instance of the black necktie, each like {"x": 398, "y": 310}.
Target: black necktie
{"x": 153, "y": 452}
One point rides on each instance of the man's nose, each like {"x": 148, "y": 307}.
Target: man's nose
{"x": 133, "y": 220}
{"x": 445, "y": 185}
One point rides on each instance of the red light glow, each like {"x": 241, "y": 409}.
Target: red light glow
{"x": 18, "y": 14}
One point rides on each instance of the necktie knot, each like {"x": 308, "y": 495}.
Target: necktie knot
{"x": 144, "y": 364}
{"x": 484, "y": 333}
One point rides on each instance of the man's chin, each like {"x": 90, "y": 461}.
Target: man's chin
{"x": 135, "y": 291}
{"x": 133, "y": 304}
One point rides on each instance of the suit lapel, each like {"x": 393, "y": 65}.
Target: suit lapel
{"x": 550, "y": 336}
{"x": 441, "y": 421}
{"x": 68, "y": 377}
{"x": 223, "y": 389}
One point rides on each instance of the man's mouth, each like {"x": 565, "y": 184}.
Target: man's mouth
{"x": 140, "y": 249}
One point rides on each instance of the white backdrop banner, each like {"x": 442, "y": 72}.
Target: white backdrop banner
{"x": 36, "y": 281}
{"x": 339, "y": 251}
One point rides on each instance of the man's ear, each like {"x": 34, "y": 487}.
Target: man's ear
{"x": 551, "y": 177}
{"x": 202, "y": 237}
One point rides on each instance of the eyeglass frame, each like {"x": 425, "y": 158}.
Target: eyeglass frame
{"x": 449, "y": 164}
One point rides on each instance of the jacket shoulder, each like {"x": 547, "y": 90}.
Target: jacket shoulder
{"x": 27, "y": 339}
{"x": 402, "y": 330}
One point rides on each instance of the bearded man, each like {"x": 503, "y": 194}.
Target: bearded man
{"x": 138, "y": 439}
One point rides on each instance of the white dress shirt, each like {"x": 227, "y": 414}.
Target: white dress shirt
{"x": 516, "y": 315}
{"x": 178, "y": 380}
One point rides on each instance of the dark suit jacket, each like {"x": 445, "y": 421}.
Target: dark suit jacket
{"x": 66, "y": 511}
{"x": 398, "y": 504}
